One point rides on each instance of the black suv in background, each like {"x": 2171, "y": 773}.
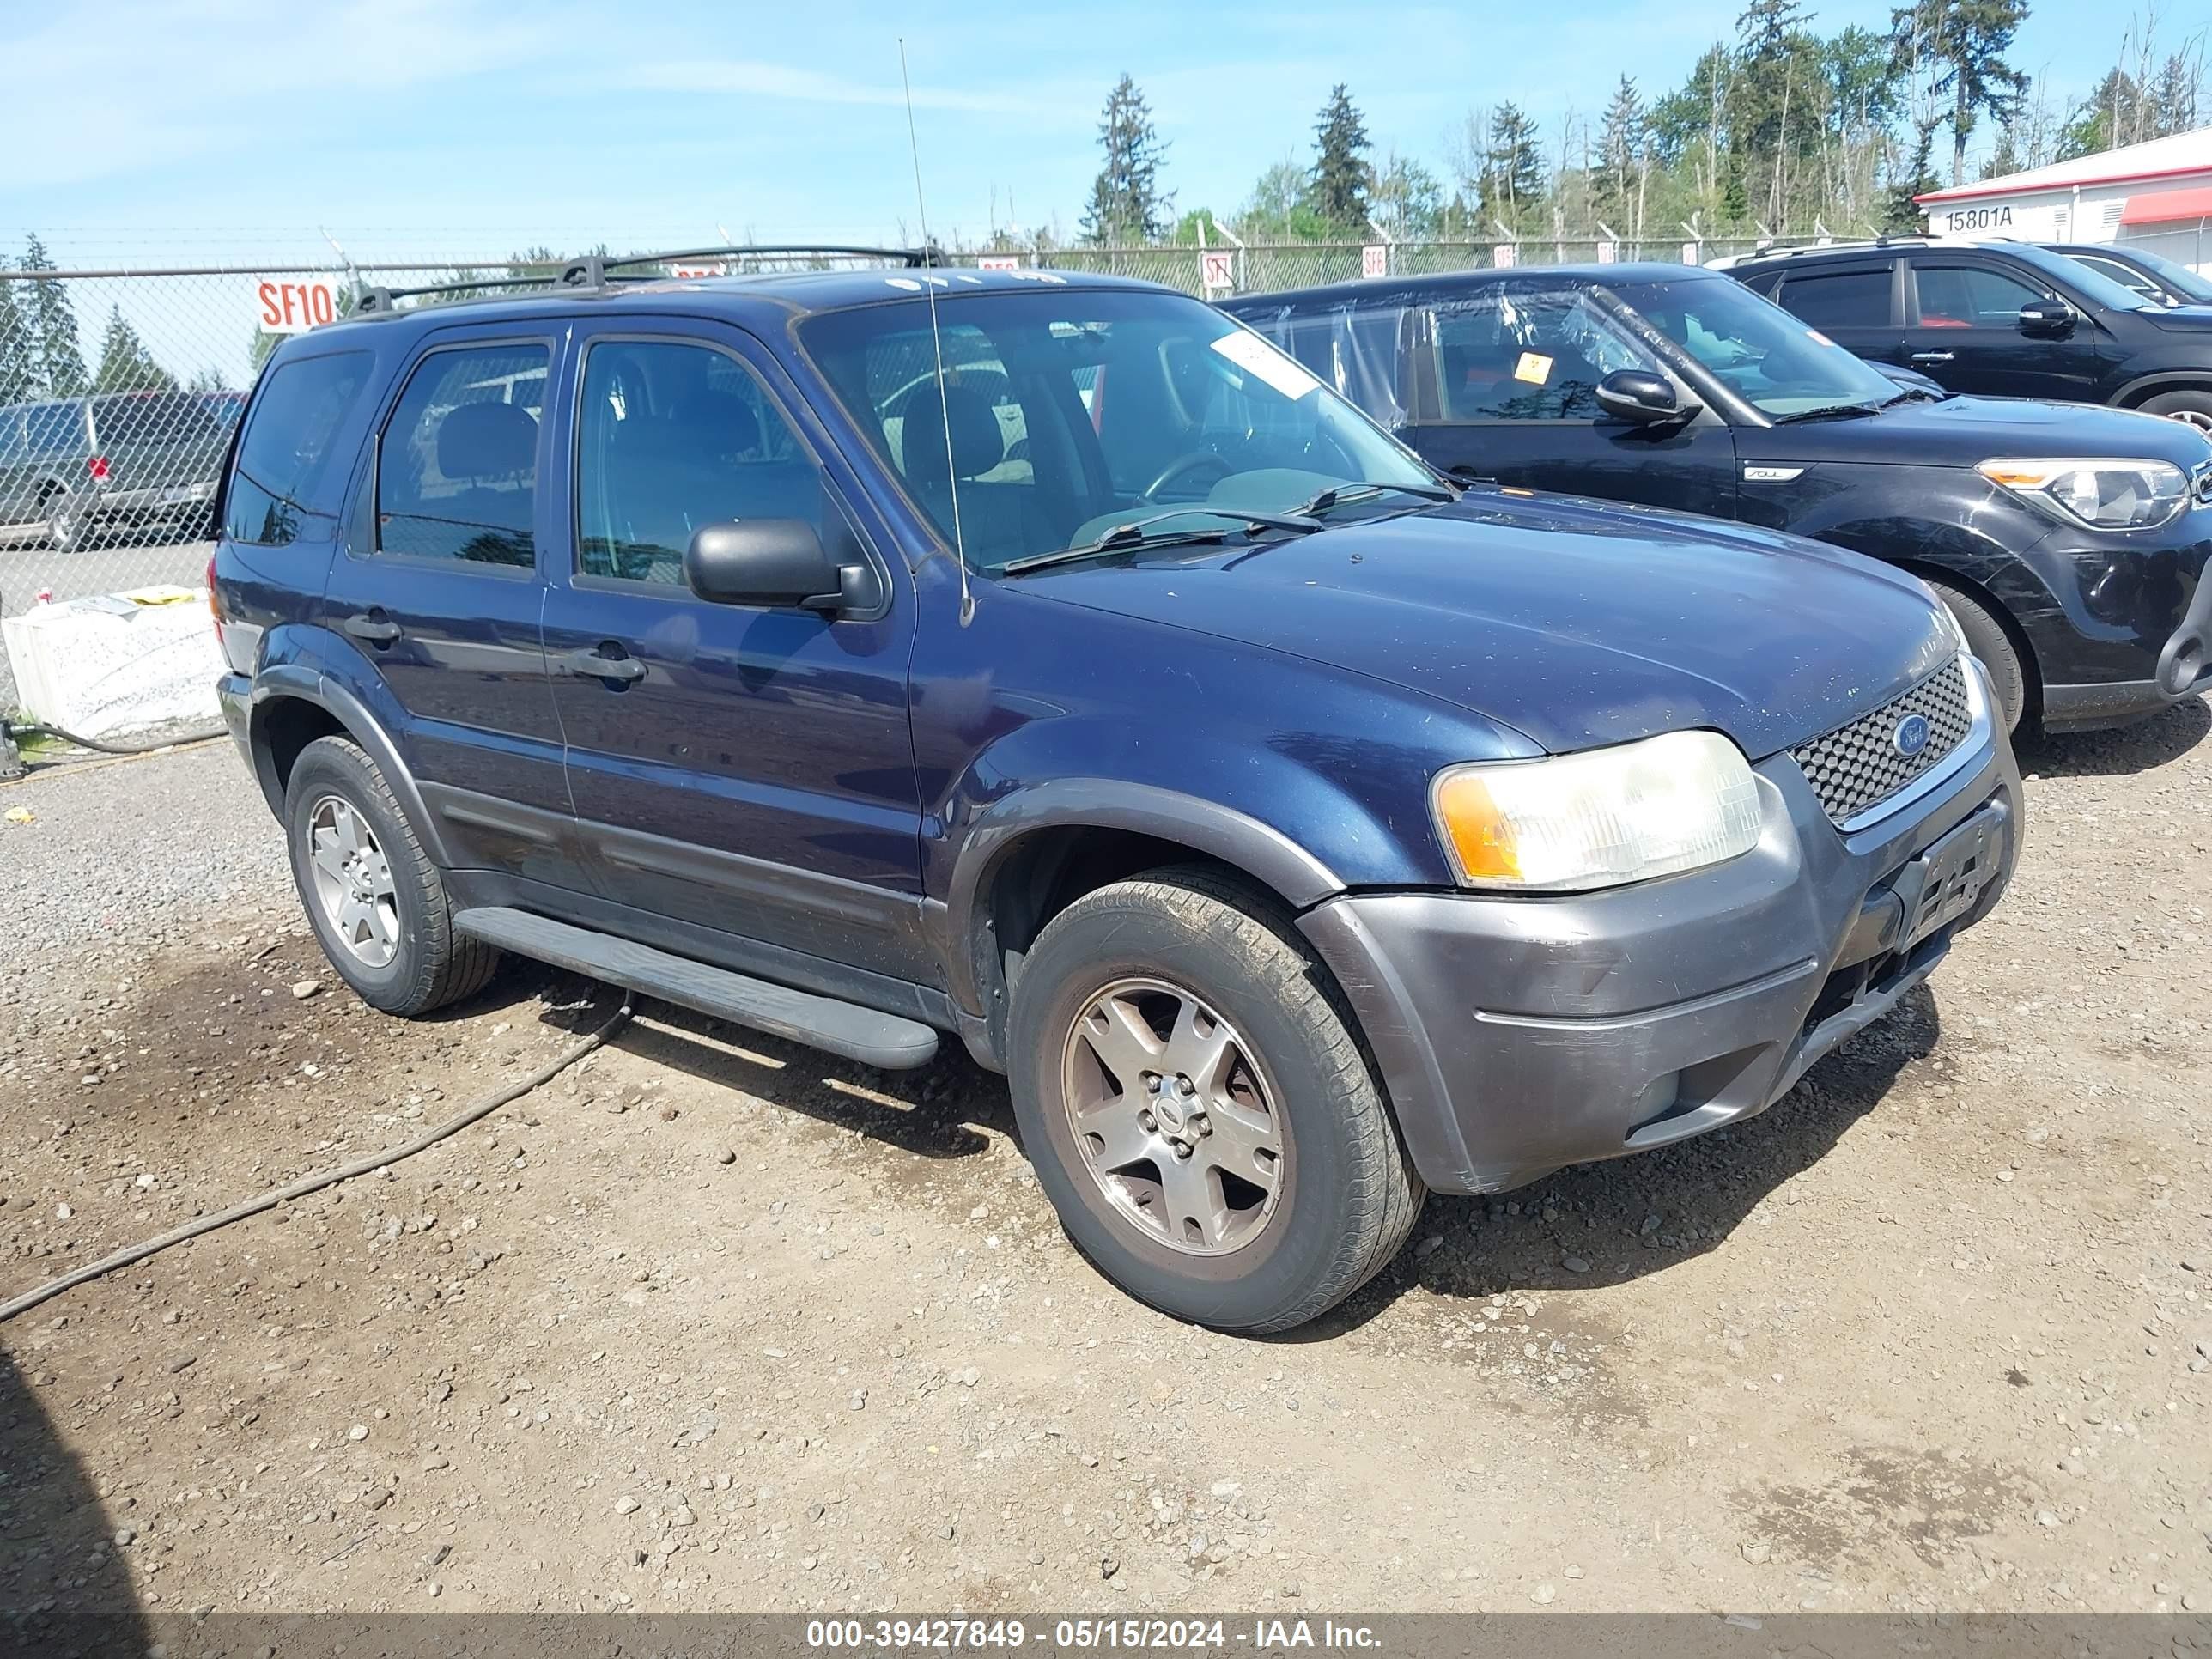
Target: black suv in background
{"x": 2153, "y": 276}
{"x": 2068, "y": 542}
{"x": 1999, "y": 319}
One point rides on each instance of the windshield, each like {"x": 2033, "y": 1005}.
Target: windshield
{"x": 1067, "y": 411}
{"x": 1757, "y": 349}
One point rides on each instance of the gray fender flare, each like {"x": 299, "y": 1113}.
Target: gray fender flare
{"x": 1262, "y": 851}
{"x": 312, "y": 685}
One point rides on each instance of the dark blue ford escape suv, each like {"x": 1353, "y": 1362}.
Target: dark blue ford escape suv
{"x": 1299, "y": 829}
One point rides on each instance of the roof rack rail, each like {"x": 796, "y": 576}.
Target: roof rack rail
{"x": 375, "y": 300}
{"x": 591, "y": 270}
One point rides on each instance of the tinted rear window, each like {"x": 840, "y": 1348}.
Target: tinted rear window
{"x": 1843, "y": 299}
{"x": 153, "y": 417}
{"x": 55, "y": 431}
{"x": 286, "y": 468}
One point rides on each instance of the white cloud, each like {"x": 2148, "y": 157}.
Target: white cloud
{"x": 753, "y": 77}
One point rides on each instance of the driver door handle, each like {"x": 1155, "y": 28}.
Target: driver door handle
{"x": 591, "y": 665}
{"x": 1931, "y": 356}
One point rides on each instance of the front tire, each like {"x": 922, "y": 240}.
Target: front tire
{"x": 1987, "y": 639}
{"x": 375, "y": 900}
{"x": 1198, "y": 1108}
{"x": 2192, "y": 408}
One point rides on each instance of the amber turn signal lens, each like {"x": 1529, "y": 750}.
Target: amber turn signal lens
{"x": 1480, "y": 834}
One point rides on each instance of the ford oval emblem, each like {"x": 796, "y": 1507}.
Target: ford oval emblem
{"x": 1910, "y": 736}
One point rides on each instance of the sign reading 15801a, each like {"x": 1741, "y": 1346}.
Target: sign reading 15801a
{"x": 1958, "y": 220}
{"x": 291, "y": 305}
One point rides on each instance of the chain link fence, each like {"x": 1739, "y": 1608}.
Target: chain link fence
{"x": 120, "y": 389}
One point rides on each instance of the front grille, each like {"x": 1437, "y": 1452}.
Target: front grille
{"x": 1860, "y": 765}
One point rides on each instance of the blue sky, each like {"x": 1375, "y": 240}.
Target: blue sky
{"x": 233, "y": 129}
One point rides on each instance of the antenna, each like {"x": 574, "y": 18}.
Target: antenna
{"x": 937, "y": 344}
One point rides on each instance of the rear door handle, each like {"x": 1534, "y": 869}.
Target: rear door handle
{"x": 591, "y": 665}
{"x": 1931, "y": 356}
{"x": 374, "y": 627}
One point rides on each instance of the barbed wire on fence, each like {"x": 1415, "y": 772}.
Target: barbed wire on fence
{"x": 120, "y": 387}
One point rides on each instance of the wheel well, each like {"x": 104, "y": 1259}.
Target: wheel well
{"x": 284, "y": 728}
{"x": 2137, "y": 396}
{"x": 2031, "y": 671}
{"x": 1045, "y": 872}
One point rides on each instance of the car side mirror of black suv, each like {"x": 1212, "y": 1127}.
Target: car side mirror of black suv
{"x": 1647, "y": 400}
{"x": 2047, "y": 318}
{"x": 775, "y": 562}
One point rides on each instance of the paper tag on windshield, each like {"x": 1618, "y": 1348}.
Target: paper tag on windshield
{"x": 1534, "y": 367}
{"x": 1255, "y": 356}
{"x": 1817, "y": 337}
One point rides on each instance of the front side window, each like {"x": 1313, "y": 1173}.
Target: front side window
{"x": 1841, "y": 298}
{"x": 2126, "y": 276}
{"x": 1761, "y": 353}
{"x": 675, "y": 436}
{"x": 285, "y": 471}
{"x": 457, "y": 470}
{"x": 1969, "y": 297}
{"x": 1064, "y": 412}
{"x": 1528, "y": 354}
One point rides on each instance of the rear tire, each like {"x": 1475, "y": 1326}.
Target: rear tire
{"x": 65, "y": 525}
{"x": 1986, "y": 637}
{"x": 2194, "y": 408}
{"x": 1284, "y": 1095}
{"x": 377, "y": 903}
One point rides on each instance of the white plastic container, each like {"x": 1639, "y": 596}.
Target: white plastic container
{"x": 117, "y": 665}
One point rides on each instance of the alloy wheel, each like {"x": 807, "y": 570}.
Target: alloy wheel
{"x": 353, "y": 881}
{"x": 1174, "y": 1117}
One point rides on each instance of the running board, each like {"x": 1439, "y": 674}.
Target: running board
{"x": 842, "y": 1028}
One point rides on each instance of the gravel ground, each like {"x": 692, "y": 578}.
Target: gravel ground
{"x": 713, "y": 1322}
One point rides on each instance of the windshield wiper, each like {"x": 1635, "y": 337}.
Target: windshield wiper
{"x": 1829, "y": 412}
{"x": 1137, "y": 533}
{"x": 1337, "y": 495}
{"x": 1920, "y": 391}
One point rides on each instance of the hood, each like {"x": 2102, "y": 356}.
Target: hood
{"x": 1576, "y": 622}
{"x": 2182, "y": 319}
{"x": 1966, "y": 431}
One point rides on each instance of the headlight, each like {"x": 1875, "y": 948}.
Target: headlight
{"x": 1600, "y": 818}
{"x": 2104, "y": 495}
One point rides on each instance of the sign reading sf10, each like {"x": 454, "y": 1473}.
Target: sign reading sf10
{"x": 292, "y": 304}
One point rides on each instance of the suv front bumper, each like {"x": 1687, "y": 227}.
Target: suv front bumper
{"x": 1516, "y": 1035}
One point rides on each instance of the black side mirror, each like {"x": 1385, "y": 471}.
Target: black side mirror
{"x": 1640, "y": 396}
{"x": 2046, "y": 318}
{"x": 774, "y": 561}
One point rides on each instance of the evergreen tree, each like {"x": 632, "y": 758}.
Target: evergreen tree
{"x": 1614, "y": 190}
{"x": 60, "y": 360}
{"x": 2114, "y": 114}
{"x": 1512, "y": 185}
{"x": 2177, "y": 95}
{"x": 1127, "y": 203}
{"x": 126, "y": 365}
{"x": 1342, "y": 181}
{"x": 1971, "y": 38}
{"x": 19, "y": 372}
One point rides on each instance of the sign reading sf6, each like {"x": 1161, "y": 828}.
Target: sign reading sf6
{"x": 293, "y": 305}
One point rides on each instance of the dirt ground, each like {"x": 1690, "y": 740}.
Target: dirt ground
{"x": 716, "y": 1322}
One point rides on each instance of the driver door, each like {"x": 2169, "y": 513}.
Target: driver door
{"x": 1504, "y": 388}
